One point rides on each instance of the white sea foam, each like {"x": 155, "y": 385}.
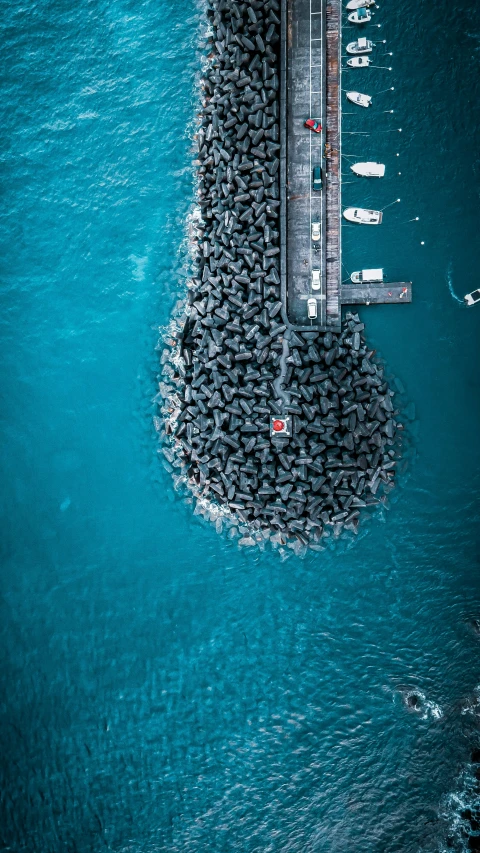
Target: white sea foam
{"x": 425, "y": 708}
{"x": 450, "y": 285}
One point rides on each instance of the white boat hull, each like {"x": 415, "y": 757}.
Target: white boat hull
{"x": 369, "y": 170}
{"x": 359, "y": 99}
{"x": 359, "y": 62}
{"x": 362, "y": 216}
{"x": 355, "y": 19}
{"x": 367, "y": 276}
{"x": 359, "y": 4}
{"x": 353, "y": 48}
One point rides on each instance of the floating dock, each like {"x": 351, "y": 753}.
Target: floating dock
{"x": 310, "y": 87}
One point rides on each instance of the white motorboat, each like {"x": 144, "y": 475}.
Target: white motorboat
{"x": 363, "y": 216}
{"x": 359, "y": 62}
{"x": 369, "y": 170}
{"x": 360, "y": 16}
{"x": 359, "y": 99}
{"x": 366, "y": 275}
{"x": 472, "y": 298}
{"x": 358, "y": 4}
{"x": 362, "y": 45}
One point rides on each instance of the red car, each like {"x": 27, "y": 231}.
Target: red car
{"x": 313, "y": 125}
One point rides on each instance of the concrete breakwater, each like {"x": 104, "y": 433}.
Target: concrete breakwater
{"x": 234, "y": 364}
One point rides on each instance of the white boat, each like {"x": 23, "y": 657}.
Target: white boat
{"x": 362, "y": 45}
{"x": 359, "y": 4}
{"x": 359, "y": 62}
{"x": 363, "y": 216}
{"x": 360, "y": 16}
{"x": 472, "y": 298}
{"x": 359, "y": 99}
{"x": 369, "y": 170}
{"x": 366, "y": 275}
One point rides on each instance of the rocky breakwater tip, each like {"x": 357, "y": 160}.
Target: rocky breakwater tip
{"x": 234, "y": 365}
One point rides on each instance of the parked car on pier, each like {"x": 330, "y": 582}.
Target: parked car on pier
{"x": 317, "y": 178}
{"x": 315, "y": 279}
{"x": 315, "y": 231}
{"x": 312, "y": 308}
{"x": 314, "y": 125}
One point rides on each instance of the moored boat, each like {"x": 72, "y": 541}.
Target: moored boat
{"x": 359, "y": 62}
{"x": 362, "y": 45}
{"x": 369, "y": 170}
{"x": 366, "y": 275}
{"x": 360, "y": 16}
{"x": 358, "y": 4}
{"x": 359, "y": 99}
{"x": 363, "y": 216}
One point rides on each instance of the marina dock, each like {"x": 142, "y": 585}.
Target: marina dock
{"x": 310, "y": 87}
{"x": 374, "y": 293}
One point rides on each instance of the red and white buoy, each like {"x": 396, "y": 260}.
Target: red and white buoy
{"x": 280, "y": 426}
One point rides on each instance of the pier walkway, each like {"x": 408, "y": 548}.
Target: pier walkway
{"x": 310, "y": 89}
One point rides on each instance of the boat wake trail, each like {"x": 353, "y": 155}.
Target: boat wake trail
{"x": 450, "y": 286}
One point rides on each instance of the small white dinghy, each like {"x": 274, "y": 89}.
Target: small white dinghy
{"x": 366, "y": 275}
{"x": 362, "y": 45}
{"x": 369, "y": 170}
{"x": 359, "y": 62}
{"x": 359, "y": 99}
{"x": 359, "y": 4}
{"x": 360, "y": 16}
{"x": 363, "y": 216}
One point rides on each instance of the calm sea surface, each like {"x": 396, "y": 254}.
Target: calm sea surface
{"x": 160, "y": 689}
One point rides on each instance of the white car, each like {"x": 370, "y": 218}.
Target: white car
{"x": 315, "y": 231}
{"x": 472, "y": 298}
{"x": 312, "y": 309}
{"x": 315, "y": 279}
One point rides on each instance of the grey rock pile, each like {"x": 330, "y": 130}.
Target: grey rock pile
{"x": 237, "y": 363}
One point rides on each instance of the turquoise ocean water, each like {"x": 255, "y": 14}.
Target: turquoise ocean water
{"x": 160, "y": 689}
